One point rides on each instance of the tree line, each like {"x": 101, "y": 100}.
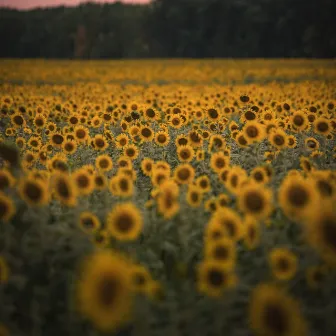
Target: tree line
{"x": 172, "y": 28}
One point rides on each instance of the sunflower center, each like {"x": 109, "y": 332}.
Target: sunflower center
{"x": 298, "y": 196}
{"x": 124, "y": 223}
{"x": 279, "y": 140}
{"x": 184, "y": 174}
{"x": 276, "y": 319}
{"x": 100, "y": 143}
{"x": 161, "y": 138}
{"x": 57, "y": 139}
{"x": 33, "y": 192}
{"x": 107, "y": 291}
{"x": 322, "y": 126}
{"x": 282, "y": 264}
{"x": 249, "y": 115}
{"x": 82, "y": 181}
{"x": 298, "y": 120}
{"x": 18, "y": 120}
{"x": 254, "y": 201}
{"x": 215, "y": 277}
{"x": 252, "y": 131}
{"x": 63, "y": 189}
{"x": 220, "y": 163}
{"x": 221, "y": 252}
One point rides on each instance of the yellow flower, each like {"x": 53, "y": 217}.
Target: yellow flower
{"x": 273, "y": 312}
{"x": 104, "y": 291}
{"x": 124, "y": 221}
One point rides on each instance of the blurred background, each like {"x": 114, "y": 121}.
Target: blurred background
{"x": 168, "y": 29}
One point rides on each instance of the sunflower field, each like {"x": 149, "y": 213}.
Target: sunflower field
{"x": 168, "y": 197}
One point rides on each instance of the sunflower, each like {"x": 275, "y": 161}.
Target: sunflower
{"x": 124, "y": 162}
{"x": 96, "y": 121}
{"x": 219, "y": 162}
{"x": 283, "y": 263}
{"x": 162, "y": 138}
{"x": 140, "y": 279}
{"x": 200, "y": 155}
{"x": 35, "y": 143}
{"x": 213, "y": 278}
{"x": 28, "y": 158}
{"x": 278, "y": 139}
{"x": 234, "y": 178}
{"x": 69, "y": 147}
{"x": 241, "y": 140}
{"x": 83, "y": 181}
{"x": 64, "y": 189}
{"x": 323, "y": 183}
{"x": 7, "y": 208}
{"x": 121, "y": 185}
{"x": 255, "y": 200}
{"x": 203, "y": 183}
{"x": 124, "y": 222}
{"x": 146, "y": 133}
{"x": 89, "y": 222}
{"x": 58, "y": 163}
{"x": 131, "y": 151}
{"x": 104, "y": 163}
{"x": 222, "y": 250}
{"x": 223, "y": 201}
{"x": 81, "y": 134}
{"x": 217, "y": 142}
{"x": 104, "y": 290}
{"x": 151, "y": 114}
{"x": 167, "y": 200}
{"x": 247, "y": 116}
{"x": 299, "y": 120}
{"x": 210, "y": 204}
{"x": 181, "y": 140}
{"x": 292, "y": 141}
{"x": 147, "y": 165}
{"x": 273, "y": 312}
{"x": 40, "y": 122}
{"x": 230, "y": 221}
{"x": 100, "y": 181}
{"x": 18, "y": 120}
{"x": 311, "y": 144}
{"x": 212, "y": 114}
{"x": 33, "y": 192}
{"x": 259, "y": 175}
{"x": 316, "y": 275}
{"x": 100, "y": 142}
{"x": 194, "y": 196}
{"x": 253, "y": 132}
{"x": 185, "y": 153}
{"x": 101, "y": 239}
{"x": 322, "y": 126}
{"x": 184, "y": 173}
{"x": 20, "y": 143}
{"x": 122, "y": 140}
{"x": 251, "y": 232}
{"x": 195, "y": 139}
{"x": 176, "y": 121}
{"x": 56, "y": 139}
{"x": 296, "y": 196}
{"x": 320, "y": 230}
{"x": 6, "y": 179}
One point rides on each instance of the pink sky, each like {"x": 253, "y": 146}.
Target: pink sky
{"x": 26, "y": 4}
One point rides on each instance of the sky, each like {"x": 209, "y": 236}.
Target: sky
{"x": 27, "y": 4}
